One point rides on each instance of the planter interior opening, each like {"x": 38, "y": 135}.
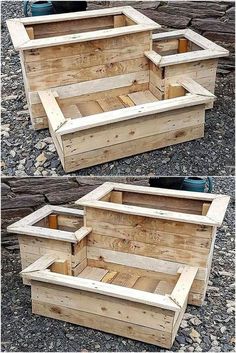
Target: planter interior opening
{"x": 64, "y": 222}
{"x": 125, "y": 276}
{"x": 175, "y": 46}
{"x": 55, "y": 29}
{"x": 175, "y": 204}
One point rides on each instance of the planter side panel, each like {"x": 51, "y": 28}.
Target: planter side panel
{"x": 131, "y": 137}
{"x": 32, "y": 248}
{"x": 121, "y": 317}
{"x": 56, "y": 66}
{"x": 177, "y": 242}
{"x": 203, "y": 72}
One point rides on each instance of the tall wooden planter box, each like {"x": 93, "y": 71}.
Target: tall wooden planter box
{"x": 119, "y": 118}
{"x": 176, "y": 228}
{"x": 147, "y": 254}
{"x": 51, "y": 228}
{"x": 62, "y": 50}
{"x": 184, "y": 53}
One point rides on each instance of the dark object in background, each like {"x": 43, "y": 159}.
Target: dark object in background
{"x": 69, "y": 6}
{"x": 167, "y": 182}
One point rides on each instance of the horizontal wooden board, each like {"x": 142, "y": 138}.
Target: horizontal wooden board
{"x": 74, "y": 72}
{"x": 73, "y": 26}
{"x": 130, "y": 148}
{"x": 35, "y": 242}
{"x": 74, "y": 49}
{"x": 103, "y": 305}
{"x": 130, "y": 130}
{"x": 125, "y": 224}
{"x": 162, "y": 202}
{"x": 99, "y": 322}
{"x": 195, "y": 257}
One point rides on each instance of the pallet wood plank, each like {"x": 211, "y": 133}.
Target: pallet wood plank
{"x": 110, "y": 103}
{"x": 164, "y": 287}
{"x": 105, "y": 288}
{"x": 126, "y": 101}
{"x": 52, "y": 109}
{"x": 93, "y": 273}
{"x": 125, "y": 280}
{"x": 89, "y": 108}
{"x": 146, "y": 284}
{"x": 109, "y": 276}
{"x": 98, "y": 322}
{"x": 180, "y": 292}
{"x": 142, "y": 97}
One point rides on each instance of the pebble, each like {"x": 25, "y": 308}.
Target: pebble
{"x": 40, "y": 145}
{"x": 13, "y": 153}
{"x": 195, "y": 336}
{"x": 41, "y": 159}
{"x": 195, "y": 321}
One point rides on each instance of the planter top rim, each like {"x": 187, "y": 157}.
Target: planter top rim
{"x": 214, "y": 216}
{"x": 209, "y": 50}
{"x": 21, "y": 40}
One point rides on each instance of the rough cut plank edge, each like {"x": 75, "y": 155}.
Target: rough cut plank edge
{"x": 83, "y": 37}
{"x": 153, "y": 56}
{"x": 195, "y": 88}
{"x": 71, "y": 16}
{"x": 106, "y": 187}
{"x": 126, "y": 10}
{"x": 18, "y": 33}
{"x": 52, "y": 109}
{"x": 82, "y": 233}
{"x": 191, "y": 56}
{"x": 118, "y": 115}
{"x": 218, "y": 208}
{"x": 41, "y": 264}
{"x": 53, "y": 234}
{"x": 168, "y": 35}
{"x": 180, "y": 292}
{"x": 152, "y": 213}
{"x": 203, "y": 42}
{"x": 98, "y": 192}
{"x": 108, "y": 289}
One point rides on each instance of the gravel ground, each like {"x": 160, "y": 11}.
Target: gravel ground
{"x": 209, "y": 328}
{"x": 21, "y": 146}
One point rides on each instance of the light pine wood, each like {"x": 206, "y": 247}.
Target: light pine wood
{"x": 121, "y": 328}
{"x": 182, "y": 288}
{"x": 105, "y": 288}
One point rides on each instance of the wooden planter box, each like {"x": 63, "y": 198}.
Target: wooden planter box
{"x": 146, "y": 254}
{"x": 51, "y": 228}
{"x": 131, "y": 121}
{"x": 62, "y": 50}
{"x": 149, "y": 311}
{"x": 177, "y": 228}
{"x": 184, "y": 53}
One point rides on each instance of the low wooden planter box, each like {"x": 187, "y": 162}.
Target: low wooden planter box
{"x": 65, "y": 49}
{"x": 101, "y": 299}
{"x": 147, "y": 253}
{"x": 184, "y": 53}
{"x": 114, "y": 117}
{"x": 51, "y": 228}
